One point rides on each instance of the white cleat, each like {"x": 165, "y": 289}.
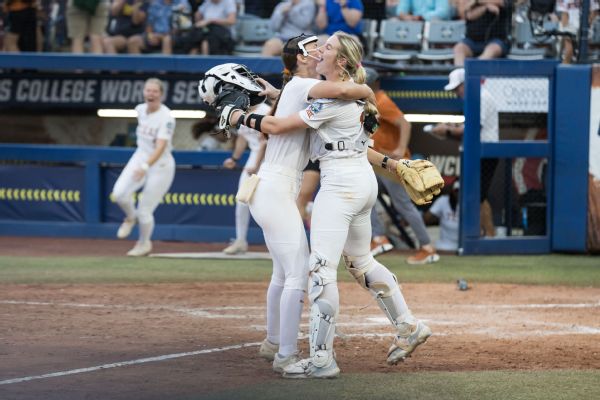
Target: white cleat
{"x": 140, "y": 249}
{"x": 268, "y": 350}
{"x": 404, "y": 345}
{"x": 126, "y": 228}
{"x": 305, "y": 369}
{"x": 236, "y": 247}
{"x": 280, "y": 362}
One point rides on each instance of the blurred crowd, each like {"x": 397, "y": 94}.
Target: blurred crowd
{"x": 212, "y": 26}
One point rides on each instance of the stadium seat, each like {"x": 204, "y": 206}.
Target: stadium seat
{"x": 370, "y": 34}
{"x": 399, "y": 40}
{"x": 440, "y": 38}
{"x": 252, "y": 34}
{"x": 528, "y": 46}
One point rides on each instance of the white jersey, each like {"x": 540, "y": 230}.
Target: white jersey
{"x": 156, "y": 125}
{"x": 291, "y": 149}
{"x": 335, "y": 121}
{"x": 252, "y": 136}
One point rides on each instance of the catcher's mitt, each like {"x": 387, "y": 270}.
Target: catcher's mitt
{"x": 421, "y": 179}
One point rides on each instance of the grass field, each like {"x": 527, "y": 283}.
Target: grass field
{"x": 577, "y": 272}
{"x": 533, "y": 270}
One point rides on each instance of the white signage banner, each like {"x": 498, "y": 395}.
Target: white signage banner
{"x": 519, "y": 95}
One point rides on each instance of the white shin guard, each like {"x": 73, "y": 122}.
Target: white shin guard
{"x": 383, "y": 287}
{"x": 322, "y": 332}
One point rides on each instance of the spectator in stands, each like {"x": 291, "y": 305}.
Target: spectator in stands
{"x": 212, "y": 29}
{"x": 127, "y": 18}
{"x": 21, "y": 28}
{"x": 444, "y": 211}
{"x": 339, "y": 15}
{"x": 419, "y": 10}
{"x": 489, "y": 132}
{"x": 260, "y": 8}
{"x": 87, "y": 18}
{"x": 487, "y": 29}
{"x": 392, "y": 139}
{"x": 569, "y": 14}
{"x": 158, "y": 28}
{"x": 289, "y": 19}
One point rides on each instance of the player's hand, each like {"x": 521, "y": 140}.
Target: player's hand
{"x": 270, "y": 91}
{"x": 252, "y": 170}
{"x": 229, "y": 163}
{"x": 139, "y": 174}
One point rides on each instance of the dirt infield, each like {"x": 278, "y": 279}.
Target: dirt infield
{"x": 194, "y": 339}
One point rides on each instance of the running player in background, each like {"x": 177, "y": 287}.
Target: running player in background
{"x": 152, "y": 167}
{"x": 256, "y": 142}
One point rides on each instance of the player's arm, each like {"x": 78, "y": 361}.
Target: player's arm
{"x": 404, "y": 138}
{"x": 161, "y": 145}
{"x": 238, "y": 149}
{"x": 159, "y": 149}
{"x": 381, "y": 160}
{"x": 267, "y": 123}
{"x": 340, "y": 90}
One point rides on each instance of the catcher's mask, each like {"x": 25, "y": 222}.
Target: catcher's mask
{"x": 300, "y": 49}
{"x": 230, "y": 75}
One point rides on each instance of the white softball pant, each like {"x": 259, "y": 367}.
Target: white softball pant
{"x": 341, "y": 222}
{"x": 156, "y": 183}
{"x": 274, "y": 208}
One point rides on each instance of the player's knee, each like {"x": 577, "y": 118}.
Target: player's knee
{"x": 277, "y": 280}
{"x": 359, "y": 266}
{"x": 319, "y": 278}
{"x": 145, "y": 217}
{"x": 296, "y": 282}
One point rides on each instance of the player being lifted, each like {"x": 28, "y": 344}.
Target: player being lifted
{"x": 341, "y": 213}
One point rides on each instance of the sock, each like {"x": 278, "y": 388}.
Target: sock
{"x": 146, "y": 230}
{"x": 292, "y": 301}
{"x": 273, "y": 303}
{"x": 242, "y": 221}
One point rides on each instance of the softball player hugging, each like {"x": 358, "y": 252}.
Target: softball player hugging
{"x": 151, "y": 166}
{"x": 341, "y": 213}
{"x": 273, "y": 204}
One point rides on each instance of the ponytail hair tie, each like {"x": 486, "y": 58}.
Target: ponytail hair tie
{"x": 358, "y": 65}
{"x": 286, "y": 71}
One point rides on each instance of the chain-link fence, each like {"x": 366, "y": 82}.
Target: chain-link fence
{"x": 513, "y": 190}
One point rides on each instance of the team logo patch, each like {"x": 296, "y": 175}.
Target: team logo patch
{"x": 313, "y": 109}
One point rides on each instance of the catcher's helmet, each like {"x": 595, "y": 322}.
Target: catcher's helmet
{"x": 231, "y": 75}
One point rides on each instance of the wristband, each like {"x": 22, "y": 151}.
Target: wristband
{"x": 384, "y": 162}
{"x": 145, "y": 166}
{"x": 257, "y": 118}
{"x": 240, "y": 121}
{"x": 234, "y": 159}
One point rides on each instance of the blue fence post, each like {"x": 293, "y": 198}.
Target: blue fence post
{"x": 571, "y": 157}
